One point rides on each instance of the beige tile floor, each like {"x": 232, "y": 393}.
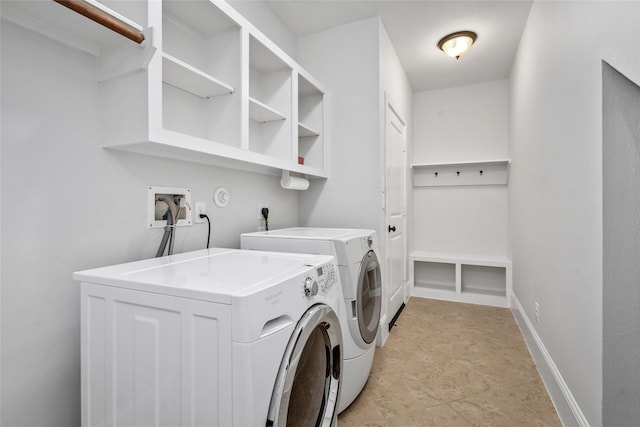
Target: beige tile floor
{"x": 452, "y": 364}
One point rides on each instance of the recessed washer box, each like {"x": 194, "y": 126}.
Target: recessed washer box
{"x": 157, "y": 198}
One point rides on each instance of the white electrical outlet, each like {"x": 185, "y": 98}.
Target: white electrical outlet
{"x": 537, "y": 312}
{"x": 200, "y": 208}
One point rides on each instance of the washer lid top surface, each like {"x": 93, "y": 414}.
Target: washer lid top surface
{"x": 313, "y": 233}
{"x": 213, "y": 274}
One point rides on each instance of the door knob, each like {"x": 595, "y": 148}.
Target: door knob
{"x": 392, "y": 228}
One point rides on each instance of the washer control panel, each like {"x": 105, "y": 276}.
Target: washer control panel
{"x": 323, "y": 279}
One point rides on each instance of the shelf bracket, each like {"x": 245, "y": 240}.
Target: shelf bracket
{"x": 123, "y": 59}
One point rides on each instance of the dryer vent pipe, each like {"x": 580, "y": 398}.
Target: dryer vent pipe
{"x": 293, "y": 182}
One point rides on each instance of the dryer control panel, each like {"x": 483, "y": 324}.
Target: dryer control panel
{"x": 325, "y": 279}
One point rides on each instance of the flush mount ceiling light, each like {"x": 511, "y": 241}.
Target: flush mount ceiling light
{"x": 457, "y": 44}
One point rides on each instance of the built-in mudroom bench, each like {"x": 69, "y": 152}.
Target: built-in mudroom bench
{"x": 465, "y": 278}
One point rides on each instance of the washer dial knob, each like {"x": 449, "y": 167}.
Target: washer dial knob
{"x": 310, "y": 287}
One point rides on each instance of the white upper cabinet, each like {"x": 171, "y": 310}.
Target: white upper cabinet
{"x": 201, "y": 72}
{"x": 310, "y": 124}
{"x": 205, "y": 85}
{"x": 270, "y": 102}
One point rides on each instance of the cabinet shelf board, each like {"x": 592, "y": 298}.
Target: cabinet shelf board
{"x": 451, "y": 287}
{"x": 262, "y": 113}
{"x": 496, "y": 162}
{"x": 305, "y": 131}
{"x": 469, "y": 289}
{"x": 190, "y": 79}
{"x": 468, "y": 259}
{"x": 173, "y": 145}
{"x": 310, "y": 171}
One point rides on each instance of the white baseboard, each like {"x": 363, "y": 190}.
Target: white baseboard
{"x": 569, "y": 400}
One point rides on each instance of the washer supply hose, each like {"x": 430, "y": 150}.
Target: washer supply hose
{"x": 165, "y": 237}
{"x": 168, "y": 229}
{"x": 265, "y": 215}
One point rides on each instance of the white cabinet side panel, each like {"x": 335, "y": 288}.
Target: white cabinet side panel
{"x": 152, "y": 359}
{"x": 94, "y": 360}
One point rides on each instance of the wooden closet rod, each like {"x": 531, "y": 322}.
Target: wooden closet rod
{"x": 103, "y": 18}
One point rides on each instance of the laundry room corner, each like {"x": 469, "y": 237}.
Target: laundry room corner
{"x": 236, "y": 213}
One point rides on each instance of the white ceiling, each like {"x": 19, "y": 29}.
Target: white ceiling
{"x": 416, "y": 26}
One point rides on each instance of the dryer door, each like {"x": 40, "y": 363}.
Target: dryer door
{"x": 369, "y": 297}
{"x": 308, "y": 383}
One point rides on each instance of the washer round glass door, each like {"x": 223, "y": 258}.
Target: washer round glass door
{"x": 369, "y": 297}
{"x": 308, "y": 383}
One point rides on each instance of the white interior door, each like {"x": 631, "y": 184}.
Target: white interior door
{"x": 395, "y": 143}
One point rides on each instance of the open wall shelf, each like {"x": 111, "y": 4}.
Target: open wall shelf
{"x": 490, "y": 172}
{"x": 306, "y": 131}
{"x": 262, "y": 113}
{"x": 192, "y": 80}
{"x": 310, "y": 121}
{"x": 204, "y": 86}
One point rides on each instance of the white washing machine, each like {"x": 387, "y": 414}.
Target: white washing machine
{"x": 215, "y": 337}
{"x": 355, "y": 252}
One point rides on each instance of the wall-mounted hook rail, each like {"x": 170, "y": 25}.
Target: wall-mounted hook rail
{"x": 489, "y": 172}
{"x": 93, "y": 11}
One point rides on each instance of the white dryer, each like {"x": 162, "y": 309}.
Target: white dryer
{"x": 355, "y": 252}
{"x": 215, "y": 337}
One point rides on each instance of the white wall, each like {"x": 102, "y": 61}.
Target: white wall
{"x": 266, "y": 21}
{"x": 357, "y": 65}
{"x": 345, "y": 59}
{"x": 465, "y": 123}
{"x": 69, "y": 204}
{"x": 621, "y": 249}
{"x": 394, "y": 82}
{"x": 555, "y": 189}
